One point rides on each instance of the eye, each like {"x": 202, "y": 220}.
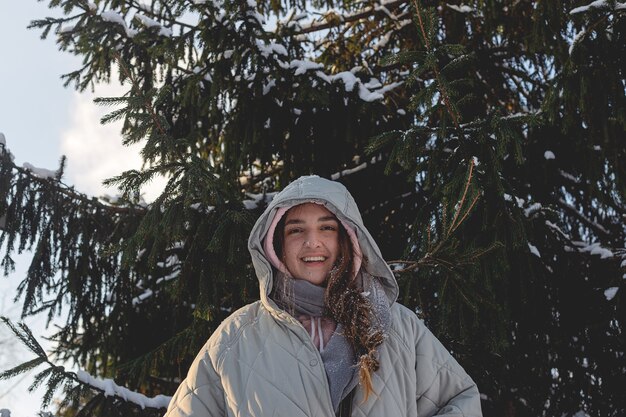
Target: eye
{"x": 330, "y": 227}
{"x": 293, "y": 231}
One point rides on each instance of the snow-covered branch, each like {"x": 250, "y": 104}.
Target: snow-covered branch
{"x": 56, "y": 374}
{"x": 38, "y": 175}
{"x": 594, "y": 249}
{"x": 598, "y": 228}
{"x": 598, "y": 5}
{"x": 109, "y": 388}
{"x": 335, "y": 19}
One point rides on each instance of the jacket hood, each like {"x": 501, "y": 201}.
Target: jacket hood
{"x": 336, "y": 198}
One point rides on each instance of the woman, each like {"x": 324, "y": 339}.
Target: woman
{"x": 327, "y": 337}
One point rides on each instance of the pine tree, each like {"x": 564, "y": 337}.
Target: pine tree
{"x": 483, "y": 143}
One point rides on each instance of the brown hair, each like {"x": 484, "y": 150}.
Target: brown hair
{"x": 346, "y": 305}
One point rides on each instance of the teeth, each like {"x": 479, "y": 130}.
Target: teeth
{"x": 313, "y": 259}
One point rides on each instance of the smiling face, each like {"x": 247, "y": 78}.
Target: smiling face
{"x": 311, "y": 242}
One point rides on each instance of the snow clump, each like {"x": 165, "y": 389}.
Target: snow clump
{"x": 462, "y": 8}
{"x": 110, "y": 388}
{"x": 534, "y": 250}
{"x": 40, "y": 172}
{"x": 609, "y": 293}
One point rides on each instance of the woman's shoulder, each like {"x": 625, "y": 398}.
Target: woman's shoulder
{"x": 406, "y": 325}
{"x": 230, "y": 330}
{"x": 403, "y": 311}
{"x": 403, "y": 317}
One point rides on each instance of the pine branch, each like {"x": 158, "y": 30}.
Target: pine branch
{"x": 338, "y": 20}
{"x": 444, "y": 93}
{"x": 439, "y": 252}
{"x": 598, "y": 228}
{"x": 135, "y": 87}
{"x": 161, "y": 16}
{"x": 23, "y": 333}
{"x": 459, "y": 206}
{"x": 454, "y": 262}
{"x": 66, "y": 190}
{"x": 55, "y": 375}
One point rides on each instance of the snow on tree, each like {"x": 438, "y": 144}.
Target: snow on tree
{"x": 483, "y": 142}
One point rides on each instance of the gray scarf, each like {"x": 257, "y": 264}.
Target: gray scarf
{"x": 300, "y": 297}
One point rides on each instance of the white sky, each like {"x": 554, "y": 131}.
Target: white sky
{"x": 42, "y": 120}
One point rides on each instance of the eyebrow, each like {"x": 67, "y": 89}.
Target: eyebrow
{"x": 319, "y": 220}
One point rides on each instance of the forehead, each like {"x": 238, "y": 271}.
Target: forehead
{"x": 309, "y": 212}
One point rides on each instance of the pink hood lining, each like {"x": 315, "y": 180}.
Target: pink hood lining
{"x": 268, "y": 242}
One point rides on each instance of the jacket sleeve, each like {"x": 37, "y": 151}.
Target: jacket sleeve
{"x": 201, "y": 393}
{"x": 443, "y": 388}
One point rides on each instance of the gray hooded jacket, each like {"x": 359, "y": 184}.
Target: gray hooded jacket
{"x": 261, "y": 361}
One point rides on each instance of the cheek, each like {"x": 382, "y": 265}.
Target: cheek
{"x": 333, "y": 246}
{"x": 290, "y": 249}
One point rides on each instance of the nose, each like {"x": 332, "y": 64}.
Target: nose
{"x": 312, "y": 241}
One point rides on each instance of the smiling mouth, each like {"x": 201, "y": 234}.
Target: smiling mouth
{"x": 309, "y": 259}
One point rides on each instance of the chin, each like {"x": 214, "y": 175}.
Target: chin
{"x": 315, "y": 280}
